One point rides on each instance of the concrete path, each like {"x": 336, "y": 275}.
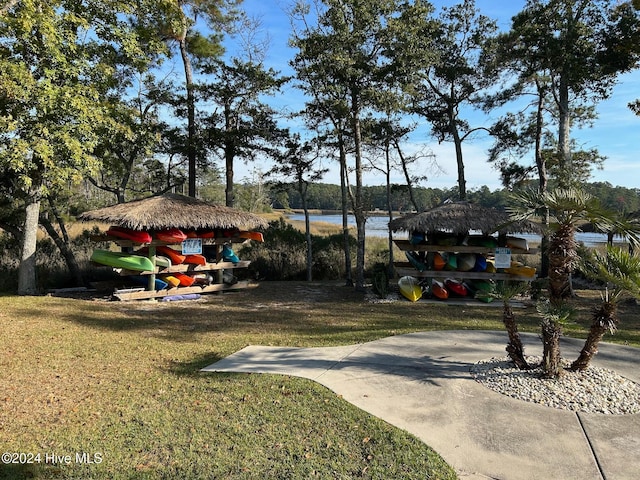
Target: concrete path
{"x": 421, "y": 383}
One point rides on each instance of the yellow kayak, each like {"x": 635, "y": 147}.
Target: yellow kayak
{"x": 409, "y": 288}
{"x": 521, "y": 270}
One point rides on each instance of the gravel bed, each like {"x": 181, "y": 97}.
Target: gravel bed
{"x": 594, "y": 390}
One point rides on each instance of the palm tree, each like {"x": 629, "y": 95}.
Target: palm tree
{"x": 570, "y": 207}
{"x": 621, "y": 272}
{"x": 554, "y": 316}
{"x": 506, "y": 291}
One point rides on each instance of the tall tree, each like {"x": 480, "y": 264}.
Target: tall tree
{"x": 456, "y": 79}
{"x": 179, "y": 22}
{"x": 242, "y": 125}
{"x": 58, "y": 59}
{"x": 578, "y": 47}
{"x": 348, "y": 51}
{"x": 297, "y": 163}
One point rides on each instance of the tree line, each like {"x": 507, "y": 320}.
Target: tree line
{"x": 323, "y": 196}
{"x": 120, "y": 99}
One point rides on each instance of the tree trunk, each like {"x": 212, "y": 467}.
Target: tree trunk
{"x": 307, "y": 231}
{"x": 345, "y": 215}
{"x": 358, "y": 207}
{"x": 27, "y": 284}
{"x": 564, "y": 135}
{"x": 562, "y": 258}
{"x": 542, "y": 176}
{"x": 191, "y": 115}
{"x": 63, "y": 245}
{"x": 551, "y": 361}
{"x": 604, "y": 318}
{"x": 229, "y": 156}
{"x": 515, "y": 349}
{"x": 462, "y": 183}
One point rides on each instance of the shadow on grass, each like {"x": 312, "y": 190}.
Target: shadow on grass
{"x": 192, "y": 367}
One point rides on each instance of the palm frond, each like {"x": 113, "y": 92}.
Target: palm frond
{"x": 616, "y": 267}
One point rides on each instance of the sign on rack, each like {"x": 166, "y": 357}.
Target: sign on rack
{"x": 192, "y": 246}
{"x": 503, "y": 257}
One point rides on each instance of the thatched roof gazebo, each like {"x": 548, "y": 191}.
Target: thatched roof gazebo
{"x": 460, "y": 218}
{"x": 172, "y": 210}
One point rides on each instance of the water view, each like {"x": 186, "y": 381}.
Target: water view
{"x": 378, "y": 226}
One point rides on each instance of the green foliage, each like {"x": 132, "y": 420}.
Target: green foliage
{"x": 616, "y": 268}
{"x": 380, "y": 280}
{"x": 282, "y": 256}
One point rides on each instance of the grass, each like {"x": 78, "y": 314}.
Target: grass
{"x": 122, "y": 380}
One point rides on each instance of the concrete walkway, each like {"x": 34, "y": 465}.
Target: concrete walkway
{"x": 421, "y": 383}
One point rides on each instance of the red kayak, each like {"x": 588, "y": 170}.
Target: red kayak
{"x": 136, "y": 236}
{"x": 455, "y": 287}
{"x": 171, "y": 235}
{"x": 438, "y": 290}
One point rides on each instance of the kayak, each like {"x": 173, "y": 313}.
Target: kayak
{"x": 438, "y": 290}
{"x": 203, "y": 279}
{"x": 483, "y": 289}
{"x": 415, "y": 261}
{"x": 200, "y": 234}
{"x": 481, "y": 264}
{"x": 185, "y": 280}
{"x": 482, "y": 241}
{"x": 176, "y": 257}
{"x": 257, "y": 236}
{"x": 438, "y": 261}
{"x": 521, "y": 270}
{"x": 228, "y": 255}
{"x": 417, "y": 238}
{"x": 466, "y": 262}
{"x": 171, "y": 280}
{"x": 135, "y": 236}
{"x": 170, "y": 235}
{"x": 455, "y": 287}
{"x": 452, "y": 262}
{"x": 144, "y": 280}
{"x": 162, "y": 261}
{"x": 409, "y": 288}
{"x": 195, "y": 259}
{"x": 127, "y": 261}
{"x": 517, "y": 243}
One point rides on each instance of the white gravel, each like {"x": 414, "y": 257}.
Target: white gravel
{"x": 594, "y": 390}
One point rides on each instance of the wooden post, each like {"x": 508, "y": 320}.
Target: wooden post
{"x": 152, "y": 278}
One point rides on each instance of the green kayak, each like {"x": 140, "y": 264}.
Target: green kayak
{"x": 122, "y": 260}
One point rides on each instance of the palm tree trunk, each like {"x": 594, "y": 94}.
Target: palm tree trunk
{"x": 551, "y": 362}
{"x": 604, "y": 318}
{"x": 515, "y": 349}
{"x": 562, "y": 257}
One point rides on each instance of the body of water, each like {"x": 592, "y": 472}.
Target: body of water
{"x": 378, "y": 226}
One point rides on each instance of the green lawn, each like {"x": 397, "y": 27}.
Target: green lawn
{"x": 121, "y": 380}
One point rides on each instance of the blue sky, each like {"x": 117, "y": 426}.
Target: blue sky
{"x": 615, "y": 133}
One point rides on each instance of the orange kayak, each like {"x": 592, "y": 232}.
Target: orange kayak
{"x": 195, "y": 259}
{"x": 185, "y": 280}
{"x": 439, "y": 261}
{"x": 257, "y": 236}
{"x": 176, "y": 257}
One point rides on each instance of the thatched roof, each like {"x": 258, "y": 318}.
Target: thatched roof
{"x": 173, "y": 211}
{"x": 460, "y": 218}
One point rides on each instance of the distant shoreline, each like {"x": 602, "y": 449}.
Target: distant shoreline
{"x": 371, "y": 213}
